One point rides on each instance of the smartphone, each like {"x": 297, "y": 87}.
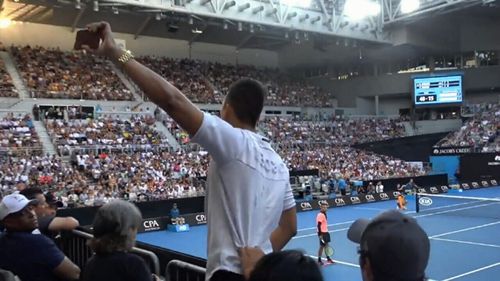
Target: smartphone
{"x": 85, "y": 37}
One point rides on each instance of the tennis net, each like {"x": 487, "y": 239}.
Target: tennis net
{"x": 451, "y": 205}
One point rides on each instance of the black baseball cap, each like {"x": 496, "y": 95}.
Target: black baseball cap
{"x": 397, "y": 247}
{"x": 52, "y": 200}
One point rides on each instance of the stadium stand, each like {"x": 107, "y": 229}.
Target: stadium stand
{"x": 7, "y": 88}
{"x": 481, "y": 132}
{"x": 18, "y": 135}
{"x": 51, "y": 73}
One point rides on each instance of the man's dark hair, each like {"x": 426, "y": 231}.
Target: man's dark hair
{"x": 31, "y": 192}
{"x": 246, "y": 96}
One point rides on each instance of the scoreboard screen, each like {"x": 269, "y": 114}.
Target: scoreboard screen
{"x": 437, "y": 90}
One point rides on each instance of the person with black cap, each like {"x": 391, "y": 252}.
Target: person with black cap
{"x": 323, "y": 234}
{"x": 49, "y": 224}
{"x": 392, "y": 247}
{"x": 24, "y": 251}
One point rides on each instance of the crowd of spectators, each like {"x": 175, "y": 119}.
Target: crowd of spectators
{"x": 184, "y": 74}
{"x": 7, "y": 88}
{"x": 283, "y": 90}
{"x": 18, "y": 135}
{"x": 95, "y": 179}
{"x": 105, "y": 131}
{"x": 481, "y": 132}
{"x": 347, "y": 162}
{"x": 206, "y": 82}
{"x": 52, "y": 73}
{"x": 289, "y": 132}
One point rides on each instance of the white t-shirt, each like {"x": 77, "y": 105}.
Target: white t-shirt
{"x": 247, "y": 190}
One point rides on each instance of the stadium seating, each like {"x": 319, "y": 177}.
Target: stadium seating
{"x": 51, "y": 73}
{"x": 18, "y": 135}
{"x": 7, "y": 88}
{"x": 481, "y": 132}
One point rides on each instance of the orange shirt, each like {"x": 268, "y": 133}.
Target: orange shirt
{"x": 401, "y": 200}
{"x": 322, "y": 219}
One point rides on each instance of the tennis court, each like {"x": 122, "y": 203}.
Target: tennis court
{"x": 465, "y": 237}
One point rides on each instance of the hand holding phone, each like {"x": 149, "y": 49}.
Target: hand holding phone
{"x": 85, "y": 37}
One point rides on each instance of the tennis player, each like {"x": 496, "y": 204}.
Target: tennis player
{"x": 323, "y": 234}
{"x": 401, "y": 201}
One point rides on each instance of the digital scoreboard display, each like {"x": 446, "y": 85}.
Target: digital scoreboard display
{"x": 438, "y": 90}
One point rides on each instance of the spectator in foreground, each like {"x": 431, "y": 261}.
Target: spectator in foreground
{"x": 289, "y": 265}
{"x": 115, "y": 230}
{"x": 392, "y": 247}
{"x": 26, "y": 253}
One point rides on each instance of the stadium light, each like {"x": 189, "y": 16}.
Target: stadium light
{"x": 258, "y": 9}
{"x": 315, "y": 19}
{"x": 408, "y": 6}
{"x": 359, "y": 9}
{"x": 303, "y": 17}
{"x": 297, "y": 3}
{"x": 4, "y": 23}
{"x": 244, "y": 7}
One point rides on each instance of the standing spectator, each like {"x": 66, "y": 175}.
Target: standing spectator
{"x": 392, "y": 247}
{"x": 115, "y": 229}
{"x": 32, "y": 257}
{"x": 249, "y": 197}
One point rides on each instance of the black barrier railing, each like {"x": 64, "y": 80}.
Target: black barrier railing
{"x": 74, "y": 246}
{"x": 182, "y": 271}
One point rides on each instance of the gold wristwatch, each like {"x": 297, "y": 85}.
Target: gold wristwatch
{"x": 126, "y": 56}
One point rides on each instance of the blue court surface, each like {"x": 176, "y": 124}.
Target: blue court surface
{"x": 465, "y": 237}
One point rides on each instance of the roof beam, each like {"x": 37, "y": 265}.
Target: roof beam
{"x": 21, "y": 16}
{"x": 16, "y": 10}
{"x": 244, "y": 41}
{"x": 77, "y": 18}
{"x": 36, "y": 13}
{"x": 143, "y": 26}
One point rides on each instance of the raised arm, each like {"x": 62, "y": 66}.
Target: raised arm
{"x": 161, "y": 92}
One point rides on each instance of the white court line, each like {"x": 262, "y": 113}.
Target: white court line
{"x": 315, "y": 234}
{"x": 466, "y": 242}
{"x": 370, "y": 209}
{"x": 335, "y": 224}
{"x": 465, "y": 229}
{"x": 338, "y": 262}
{"x": 472, "y": 272}
{"x": 454, "y": 210}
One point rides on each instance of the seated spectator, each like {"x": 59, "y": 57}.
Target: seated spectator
{"x": 48, "y": 224}
{"x": 392, "y": 247}
{"x": 115, "y": 228}
{"x": 30, "y": 256}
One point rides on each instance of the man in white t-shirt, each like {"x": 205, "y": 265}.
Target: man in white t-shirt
{"x": 249, "y": 201}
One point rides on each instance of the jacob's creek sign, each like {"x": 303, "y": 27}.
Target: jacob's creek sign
{"x": 451, "y": 150}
